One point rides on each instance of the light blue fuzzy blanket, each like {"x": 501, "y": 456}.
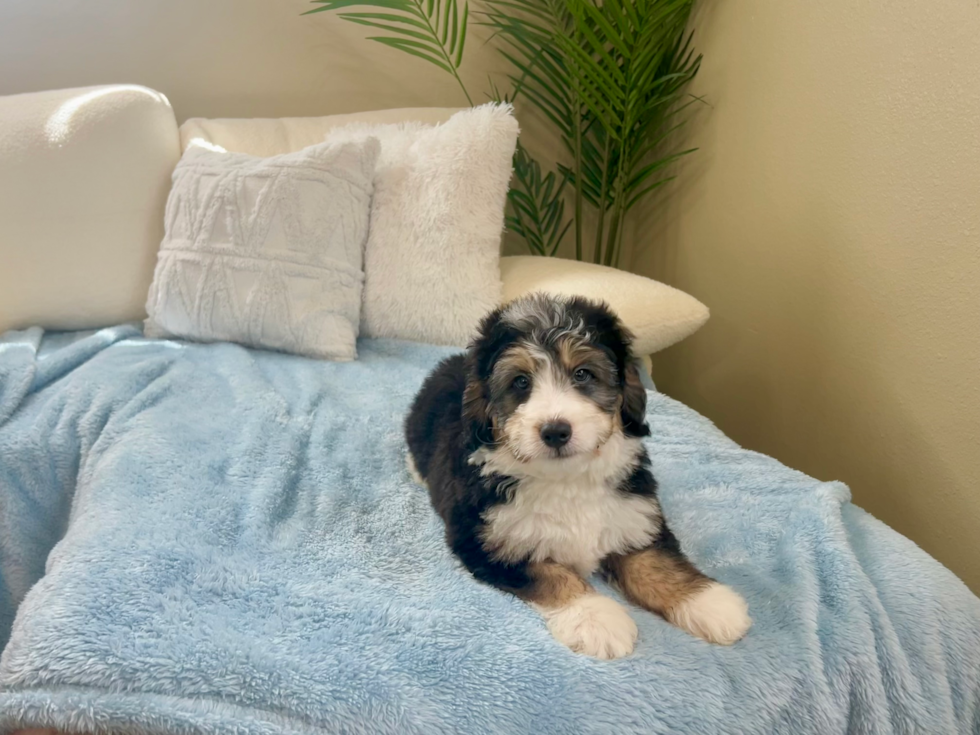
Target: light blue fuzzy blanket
{"x": 209, "y": 539}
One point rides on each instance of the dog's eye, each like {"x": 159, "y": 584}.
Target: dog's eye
{"x": 582, "y": 375}
{"x": 521, "y": 382}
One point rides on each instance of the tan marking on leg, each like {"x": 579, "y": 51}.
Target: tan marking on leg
{"x": 554, "y": 585}
{"x": 667, "y": 583}
{"x": 656, "y": 580}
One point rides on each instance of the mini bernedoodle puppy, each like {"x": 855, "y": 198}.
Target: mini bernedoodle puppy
{"x": 530, "y": 446}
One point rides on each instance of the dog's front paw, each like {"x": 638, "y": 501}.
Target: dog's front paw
{"x": 594, "y": 625}
{"x": 717, "y": 613}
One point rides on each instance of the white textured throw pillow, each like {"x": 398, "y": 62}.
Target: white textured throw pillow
{"x": 266, "y": 251}
{"x": 432, "y": 258}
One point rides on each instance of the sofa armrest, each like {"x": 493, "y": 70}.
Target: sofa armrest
{"x": 657, "y": 314}
{"x": 84, "y": 176}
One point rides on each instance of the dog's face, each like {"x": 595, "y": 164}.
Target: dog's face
{"x": 552, "y": 378}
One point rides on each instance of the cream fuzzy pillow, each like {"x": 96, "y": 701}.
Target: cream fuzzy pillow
{"x": 266, "y": 251}
{"x": 431, "y": 262}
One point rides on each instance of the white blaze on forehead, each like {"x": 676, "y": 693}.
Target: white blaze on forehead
{"x": 544, "y": 317}
{"x": 536, "y": 310}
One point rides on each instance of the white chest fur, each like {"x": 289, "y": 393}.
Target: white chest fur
{"x": 576, "y": 520}
{"x": 575, "y": 524}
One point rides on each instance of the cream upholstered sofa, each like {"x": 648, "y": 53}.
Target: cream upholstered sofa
{"x": 84, "y": 176}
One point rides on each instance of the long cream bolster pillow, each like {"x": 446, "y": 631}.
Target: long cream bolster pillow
{"x": 656, "y": 313}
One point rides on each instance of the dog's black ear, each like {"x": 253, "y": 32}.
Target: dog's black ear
{"x": 634, "y": 408}
{"x": 493, "y": 337}
{"x": 476, "y": 412}
{"x": 616, "y": 340}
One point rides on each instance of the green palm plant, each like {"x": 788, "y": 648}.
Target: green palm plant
{"x": 433, "y": 30}
{"x": 537, "y": 205}
{"x": 610, "y": 75}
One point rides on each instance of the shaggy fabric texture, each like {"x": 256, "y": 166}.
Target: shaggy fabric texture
{"x": 266, "y": 251}
{"x": 236, "y": 547}
{"x": 432, "y": 262}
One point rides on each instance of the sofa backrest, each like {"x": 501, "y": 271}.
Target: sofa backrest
{"x": 273, "y": 136}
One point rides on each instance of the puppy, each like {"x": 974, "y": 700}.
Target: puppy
{"x": 530, "y": 446}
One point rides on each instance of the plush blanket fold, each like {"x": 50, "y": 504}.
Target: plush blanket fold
{"x": 211, "y": 539}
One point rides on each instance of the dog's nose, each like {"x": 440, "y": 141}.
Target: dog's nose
{"x": 556, "y": 433}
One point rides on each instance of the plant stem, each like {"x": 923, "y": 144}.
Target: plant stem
{"x": 617, "y": 245}
{"x": 597, "y": 252}
{"x": 611, "y": 239}
{"x": 617, "y": 220}
{"x": 617, "y": 207}
{"x": 463, "y": 87}
{"x": 577, "y": 114}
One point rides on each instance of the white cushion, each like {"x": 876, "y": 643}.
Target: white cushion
{"x": 432, "y": 262}
{"x": 657, "y": 314}
{"x": 84, "y": 175}
{"x": 266, "y": 251}
{"x": 272, "y": 136}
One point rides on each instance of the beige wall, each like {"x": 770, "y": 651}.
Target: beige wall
{"x": 236, "y": 58}
{"x": 219, "y": 58}
{"x": 832, "y": 223}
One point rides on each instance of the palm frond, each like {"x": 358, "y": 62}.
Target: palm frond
{"x": 609, "y": 75}
{"x": 537, "y": 205}
{"x": 630, "y": 61}
{"x": 432, "y": 30}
